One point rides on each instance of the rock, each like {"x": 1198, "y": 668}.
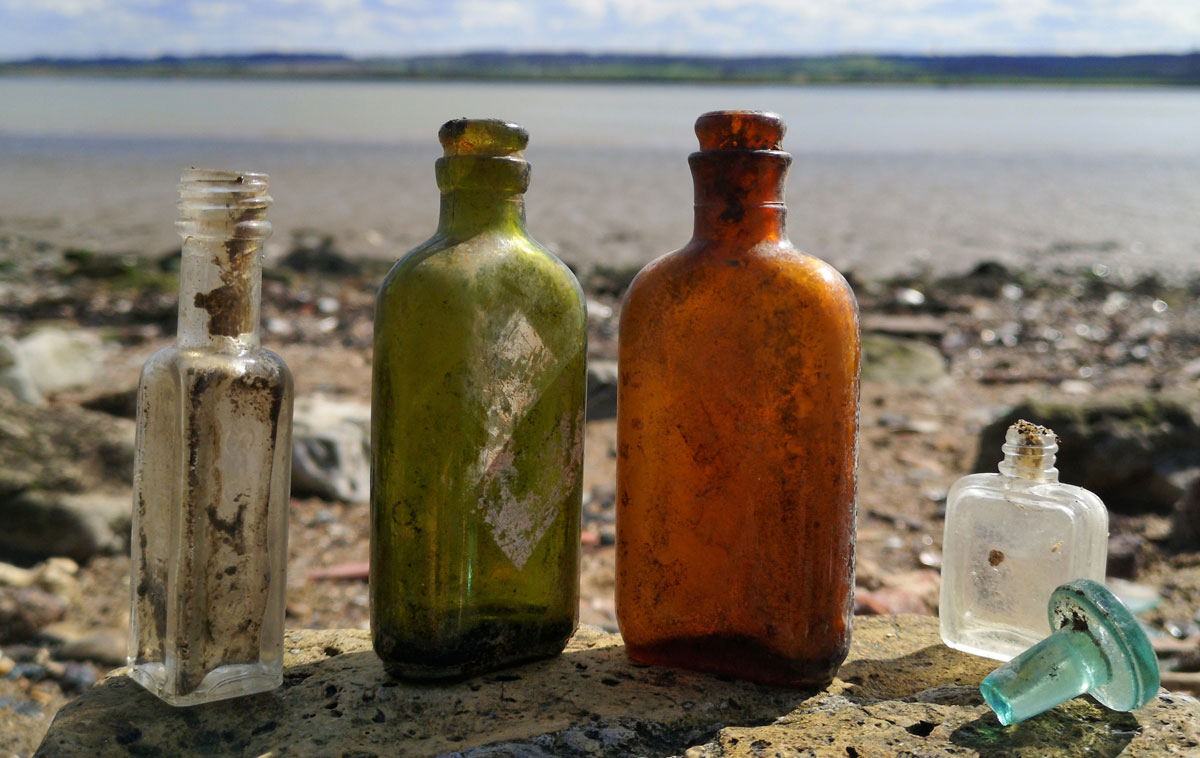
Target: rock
{"x": 896, "y": 360}
{"x": 331, "y": 449}
{"x": 1137, "y": 451}
{"x": 904, "y": 325}
{"x": 601, "y": 389}
{"x": 56, "y": 576}
{"x": 900, "y": 692}
{"x": 1185, "y": 520}
{"x": 25, "y": 610}
{"x": 913, "y": 591}
{"x": 57, "y": 359}
{"x": 14, "y": 373}
{"x": 121, "y": 403}
{"x": 105, "y": 645}
{"x": 64, "y": 481}
{"x": 25, "y": 715}
{"x": 317, "y": 254}
{"x": 1125, "y": 559}
{"x": 56, "y": 523}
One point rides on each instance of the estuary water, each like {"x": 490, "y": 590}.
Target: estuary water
{"x": 885, "y": 179}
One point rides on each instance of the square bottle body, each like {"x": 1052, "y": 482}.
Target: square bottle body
{"x": 1008, "y": 544}
{"x": 211, "y": 487}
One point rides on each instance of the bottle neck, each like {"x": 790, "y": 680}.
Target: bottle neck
{"x": 481, "y": 193}
{"x": 222, "y": 219}
{"x": 1031, "y": 462}
{"x": 220, "y": 293}
{"x": 739, "y": 196}
{"x": 468, "y": 212}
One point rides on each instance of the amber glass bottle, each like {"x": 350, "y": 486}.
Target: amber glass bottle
{"x": 737, "y": 433}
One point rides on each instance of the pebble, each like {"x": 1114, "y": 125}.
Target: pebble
{"x": 25, "y": 610}
{"x": 104, "y": 645}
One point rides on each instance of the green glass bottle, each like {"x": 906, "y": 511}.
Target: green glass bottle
{"x": 477, "y": 428}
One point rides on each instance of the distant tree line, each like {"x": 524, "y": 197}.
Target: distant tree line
{"x": 1173, "y": 69}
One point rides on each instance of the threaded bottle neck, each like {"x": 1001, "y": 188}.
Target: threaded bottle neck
{"x": 1029, "y": 452}
{"x": 222, "y": 219}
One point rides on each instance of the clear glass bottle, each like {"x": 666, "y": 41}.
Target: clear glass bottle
{"x": 737, "y": 429}
{"x": 1011, "y": 538}
{"x": 212, "y": 471}
{"x": 477, "y": 428}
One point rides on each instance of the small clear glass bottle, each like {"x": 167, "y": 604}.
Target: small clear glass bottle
{"x": 212, "y": 471}
{"x": 1011, "y": 539}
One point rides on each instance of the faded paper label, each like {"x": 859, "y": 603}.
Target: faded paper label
{"x": 520, "y": 370}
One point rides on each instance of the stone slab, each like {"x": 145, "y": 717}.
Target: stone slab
{"x": 900, "y": 692}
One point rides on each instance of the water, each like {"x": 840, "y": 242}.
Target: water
{"x": 885, "y": 178}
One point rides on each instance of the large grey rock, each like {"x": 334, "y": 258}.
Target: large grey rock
{"x": 59, "y": 359}
{"x": 64, "y": 481}
{"x": 14, "y": 374}
{"x": 902, "y": 361}
{"x": 1137, "y": 451}
{"x": 899, "y": 692}
{"x": 75, "y": 525}
{"x": 331, "y": 449}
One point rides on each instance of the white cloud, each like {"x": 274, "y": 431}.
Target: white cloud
{"x": 84, "y": 27}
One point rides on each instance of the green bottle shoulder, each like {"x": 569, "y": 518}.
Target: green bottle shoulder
{"x": 496, "y": 264}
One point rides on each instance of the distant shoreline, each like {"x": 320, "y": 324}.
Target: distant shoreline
{"x": 963, "y": 70}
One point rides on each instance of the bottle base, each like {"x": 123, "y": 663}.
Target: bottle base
{"x": 489, "y": 645}
{"x": 999, "y": 642}
{"x": 223, "y": 683}
{"x": 417, "y": 672}
{"x": 739, "y": 658}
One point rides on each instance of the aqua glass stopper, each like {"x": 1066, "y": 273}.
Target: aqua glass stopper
{"x": 1097, "y": 648}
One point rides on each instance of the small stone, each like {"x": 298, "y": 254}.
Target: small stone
{"x": 25, "y": 610}
{"x": 601, "y": 389}
{"x": 15, "y": 576}
{"x": 900, "y": 361}
{"x": 57, "y": 359}
{"x": 331, "y": 449}
{"x": 14, "y": 373}
{"x": 1125, "y": 555}
{"x": 55, "y": 523}
{"x": 104, "y": 645}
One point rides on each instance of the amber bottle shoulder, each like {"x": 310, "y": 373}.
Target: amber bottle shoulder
{"x": 773, "y": 269}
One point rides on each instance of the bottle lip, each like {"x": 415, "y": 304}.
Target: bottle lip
{"x": 216, "y": 203}
{"x": 490, "y": 137}
{"x": 250, "y": 179}
{"x": 740, "y": 130}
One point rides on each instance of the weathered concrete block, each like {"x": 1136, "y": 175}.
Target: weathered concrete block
{"x": 899, "y": 691}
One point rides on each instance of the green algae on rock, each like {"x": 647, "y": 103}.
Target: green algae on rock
{"x": 477, "y": 428}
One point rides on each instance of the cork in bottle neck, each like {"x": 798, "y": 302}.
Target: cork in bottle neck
{"x": 1029, "y": 451}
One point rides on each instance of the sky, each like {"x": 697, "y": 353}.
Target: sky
{"x": 84, "y": 28}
